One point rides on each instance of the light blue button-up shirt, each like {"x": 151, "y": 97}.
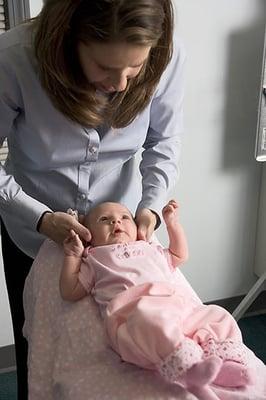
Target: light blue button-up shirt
{"x": 55, "y": 164}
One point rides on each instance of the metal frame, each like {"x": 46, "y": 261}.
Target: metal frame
{"x": 260, "y": 149}
{"x": 260, "y": 155}
{"x": 250, "y": 297}
{"x": 17, "y": 11}
{"x": 260, "y": 259}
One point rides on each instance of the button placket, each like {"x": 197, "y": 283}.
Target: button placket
{"x": 92, "y": 149}
{"x": 93, "y": 145}
{"x": 85, "y": 170}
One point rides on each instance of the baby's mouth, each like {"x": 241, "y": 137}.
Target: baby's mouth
{"x": 117, "y": 231}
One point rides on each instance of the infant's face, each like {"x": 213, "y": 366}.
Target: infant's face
{"x": 112, "y": 223}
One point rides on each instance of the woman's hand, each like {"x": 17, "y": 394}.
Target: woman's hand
{"x": 57, "y": 226}
{"x": 146, "y": 222}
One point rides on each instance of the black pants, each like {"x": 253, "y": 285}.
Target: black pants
{"x": 16, "y": 266}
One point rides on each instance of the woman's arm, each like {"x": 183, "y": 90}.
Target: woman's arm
{"x": 17, "y": 208}
{"x": 159, "y": 165}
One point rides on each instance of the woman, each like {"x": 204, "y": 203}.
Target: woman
{"x": 83, "y": 88}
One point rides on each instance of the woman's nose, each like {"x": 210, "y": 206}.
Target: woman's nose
{"x": 120, "y": 83}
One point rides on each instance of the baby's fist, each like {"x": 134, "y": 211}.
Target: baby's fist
{"x": 170, "y": 212}
{"x": 73, "y": 245}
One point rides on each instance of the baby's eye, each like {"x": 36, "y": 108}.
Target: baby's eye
{"x": 102, "y": 219}
{"x": 126, "y": 217}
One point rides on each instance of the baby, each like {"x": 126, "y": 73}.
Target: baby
{"x": 153, "y": 320}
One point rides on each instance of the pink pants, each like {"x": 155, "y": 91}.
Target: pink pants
{"x": 147, "y": 323}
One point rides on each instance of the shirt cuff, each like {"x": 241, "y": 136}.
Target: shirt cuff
{"x": 27, "y": 210}
{"x": 154, "y": 202}
{"x": 20, "y": 216}
{"x": 40, "y": 220}
{"x": 158, "y": 220}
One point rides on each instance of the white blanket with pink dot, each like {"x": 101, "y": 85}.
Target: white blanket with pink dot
{"x": 69, "y": 357}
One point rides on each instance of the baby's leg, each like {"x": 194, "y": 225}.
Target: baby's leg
{"x": 235, "y": 371}
{"x": 149, "y": 331}
{"x": 211, "y": 322}
{"x": 144, "y": 328}
{"x": 218, "y": 334}
{"x": 186, "y": 365}
{"x": 148, "y": 341}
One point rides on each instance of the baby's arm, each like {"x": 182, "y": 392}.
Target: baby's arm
{"x": 177, "y": 239}
{"x": 70, "y": 287}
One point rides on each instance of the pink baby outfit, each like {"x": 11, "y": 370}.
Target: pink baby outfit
{"x": 151, "y": 321}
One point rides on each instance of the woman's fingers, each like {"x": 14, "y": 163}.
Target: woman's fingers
{"x": 82, "y": 231}
{"x": 146, "y": 221}
{"x": 57, "y": 226}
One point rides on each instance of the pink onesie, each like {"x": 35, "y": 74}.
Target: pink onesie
{"x": 152, "y": 319}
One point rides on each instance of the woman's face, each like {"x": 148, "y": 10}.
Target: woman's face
{"x": 109, "y": 66}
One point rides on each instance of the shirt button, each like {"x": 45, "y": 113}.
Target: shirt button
{"x": 83, "y": 196}
{"x": 92, "y": 149}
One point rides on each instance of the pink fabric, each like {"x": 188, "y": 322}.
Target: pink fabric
{"x": 234, "y": 374}
{"x": 227, "y": 350}
{"x": 144, "y": 323}
{"x": 151, "y": 322}
{"x": 148, "y": 321}
{"x": 69, "y": 356}
{"x": 108, "y": 270}
{"x": 181, "y": 361}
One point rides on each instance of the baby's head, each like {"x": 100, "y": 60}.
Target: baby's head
{"x": 110, "y": 223}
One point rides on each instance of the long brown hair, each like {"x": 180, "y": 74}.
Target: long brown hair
{"x": 62, "y": 24}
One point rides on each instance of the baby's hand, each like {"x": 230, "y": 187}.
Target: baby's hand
{"x": 73, "y": 246}
{"x": 170, "y": 212}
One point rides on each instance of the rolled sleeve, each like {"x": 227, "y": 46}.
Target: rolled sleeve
{"x": 19, "y": 212}
{"x": 159, "y": 165}
{"x": 20, "y": 215}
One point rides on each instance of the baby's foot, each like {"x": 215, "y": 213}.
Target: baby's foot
{"x": 203, "y": 373}
{"x": 234, "y": 374}
{"x": 177, "y": 363}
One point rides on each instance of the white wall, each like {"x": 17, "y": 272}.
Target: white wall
{"x": 35, "y": 7}
{"x": 6, "y": 333}
{"x": 219, "y": 179}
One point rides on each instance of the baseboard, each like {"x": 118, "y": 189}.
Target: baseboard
{"x": 7, "y": 358}
{"x": 7, "y": 370}
{"x": 230, "y": 304}
{"x": 7, "y": 353}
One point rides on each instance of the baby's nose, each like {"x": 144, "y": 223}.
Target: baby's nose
{"x": 115, "y": 221}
